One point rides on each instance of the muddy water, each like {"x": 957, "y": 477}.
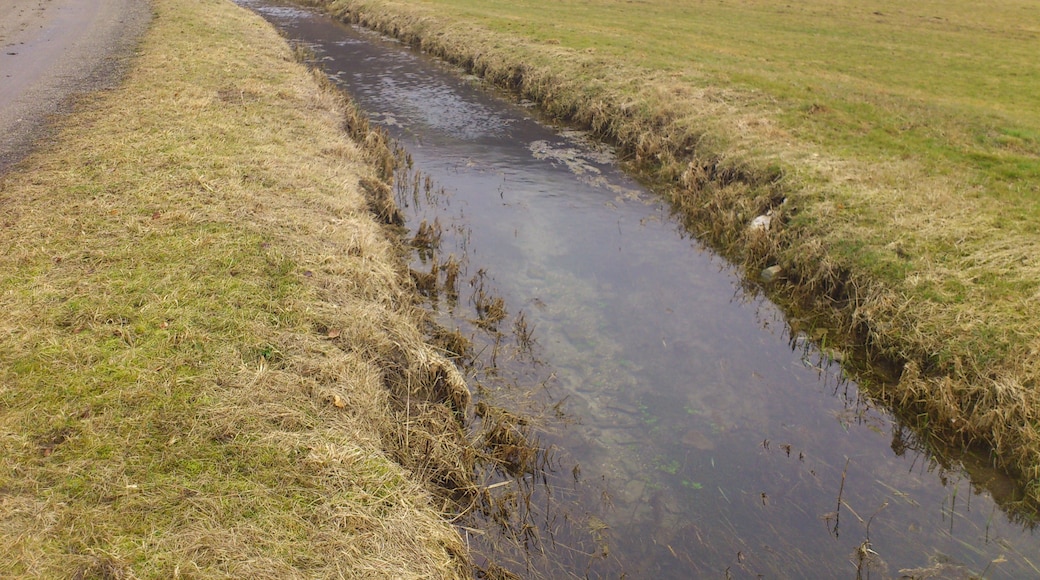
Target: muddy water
{"x": 692, "y": 432}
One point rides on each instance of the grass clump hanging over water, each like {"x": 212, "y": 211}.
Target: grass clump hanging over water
{"x": 891, "y": 154}
{"x": 210, "y": 360}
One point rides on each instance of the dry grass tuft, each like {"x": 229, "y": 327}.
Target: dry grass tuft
{"x": 507, "y": 440}
{"x": 210, "y": 360}
{"x": 918, "y": 251}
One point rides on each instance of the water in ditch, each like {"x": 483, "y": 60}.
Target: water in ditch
{"x": 691, "y": 430}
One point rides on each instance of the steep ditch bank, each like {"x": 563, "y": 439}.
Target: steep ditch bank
{"x": 964, "y": 376}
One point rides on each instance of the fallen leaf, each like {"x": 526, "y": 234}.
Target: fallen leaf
{"x": 333, "y": 333}
{"x": 338, "y": 402}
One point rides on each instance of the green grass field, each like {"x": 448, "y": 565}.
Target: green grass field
{"x": 898, "y": 147}
{"x": 951, "y": 84}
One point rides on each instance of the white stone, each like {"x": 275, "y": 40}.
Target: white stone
{"x": 761, "y": 223}
{"x": 770, "y": 274}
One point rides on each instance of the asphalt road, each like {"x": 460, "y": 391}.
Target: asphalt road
{"x": 53, "y": 50}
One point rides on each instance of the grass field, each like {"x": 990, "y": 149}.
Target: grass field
{"x": 207, "y": 339}
{"x": 942, "y": 82}
{"x": 897, "y": 147}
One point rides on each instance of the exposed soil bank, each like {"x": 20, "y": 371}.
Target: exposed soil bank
{"x": 966, "y": 367}
{"x": 211, "y": 363}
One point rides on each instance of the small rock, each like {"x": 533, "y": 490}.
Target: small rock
{"x": 633, "y": 491}
{"x": 770, "y": 274}
{"x": 761, "y": 223}
{"x": 698, "y": 440}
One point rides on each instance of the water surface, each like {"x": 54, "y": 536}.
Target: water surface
{"x": 693, "y": 432}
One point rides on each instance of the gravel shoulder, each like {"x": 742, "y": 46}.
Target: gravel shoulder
{"x": 53, "y": 50}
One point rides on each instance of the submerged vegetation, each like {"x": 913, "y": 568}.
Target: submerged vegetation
{"x": 889, "y": 153}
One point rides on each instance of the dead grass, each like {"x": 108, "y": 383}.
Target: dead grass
{"x": 210, "y": 360}
{"x": 916, "y": 245}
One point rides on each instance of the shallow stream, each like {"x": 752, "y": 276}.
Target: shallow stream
{"x": 692, "y": 431}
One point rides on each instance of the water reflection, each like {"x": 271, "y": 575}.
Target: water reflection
{"x": 692, "y": 431}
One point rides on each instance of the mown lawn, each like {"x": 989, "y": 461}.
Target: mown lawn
{"x": 951, "y": 83}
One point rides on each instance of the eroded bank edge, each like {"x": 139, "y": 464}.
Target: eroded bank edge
{"x": 444, "y": 435}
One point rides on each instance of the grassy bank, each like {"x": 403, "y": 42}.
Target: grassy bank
{"x": 896, "y": 150}
{"x": 210, "y": 364}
